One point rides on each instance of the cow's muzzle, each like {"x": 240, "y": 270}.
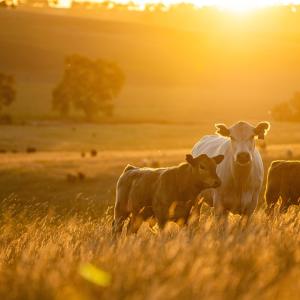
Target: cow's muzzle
{"x": 243, "y": 158}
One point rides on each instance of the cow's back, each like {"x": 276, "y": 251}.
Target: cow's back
{"x": 211, "y": 145}
{"x": 286, "y": 175}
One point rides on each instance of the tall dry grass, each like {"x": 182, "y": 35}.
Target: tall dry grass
{"x": 42, "y": 254}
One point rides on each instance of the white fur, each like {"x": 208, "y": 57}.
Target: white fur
{"x": 241, "y": 185}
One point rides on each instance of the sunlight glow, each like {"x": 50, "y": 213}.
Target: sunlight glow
{"x": 236, "y": 6}
{"x": 240, "y": 6}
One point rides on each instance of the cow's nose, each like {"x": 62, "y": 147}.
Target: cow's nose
{"x": 243, "y": 157}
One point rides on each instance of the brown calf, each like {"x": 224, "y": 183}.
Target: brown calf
{"x": 283, "y": 182}
{"x": 163, "y": 194}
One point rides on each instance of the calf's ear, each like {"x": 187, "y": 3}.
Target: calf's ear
{"x": 222, "y": 130}
{"x": 190, "y": 159}
{"x": 261, "y": 129}
{"x": 218, "y": 159}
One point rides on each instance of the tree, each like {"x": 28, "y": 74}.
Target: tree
{"x": 7, "y": 90}
{"x": 288, "y": 110}
{"x": 87, "y": 86}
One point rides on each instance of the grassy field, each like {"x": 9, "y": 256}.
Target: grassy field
{"x": 58, "y": 178}
{"x": 44, "y": 255}
{"x": 55, "y": 232}
{"x": 64, "y": 149}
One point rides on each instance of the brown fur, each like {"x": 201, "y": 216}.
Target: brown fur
{"x": 162, "y": 194}
{"x": 283, "y": 182}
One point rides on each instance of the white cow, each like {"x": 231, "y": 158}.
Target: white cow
{"x": 242, "y": 170}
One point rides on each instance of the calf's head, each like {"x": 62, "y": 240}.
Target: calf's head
{"x": 242, "y": 136}
{"x": 204, "y": 170}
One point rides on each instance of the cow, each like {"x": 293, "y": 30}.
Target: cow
{"x": 283, "y": 181}
{"x": 162, "y": 194}
{"x": 241, "y": 172}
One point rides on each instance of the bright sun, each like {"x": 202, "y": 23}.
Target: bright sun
{"x": 242, "y": 6}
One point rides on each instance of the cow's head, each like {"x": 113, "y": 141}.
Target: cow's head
{"x": 204, "y": 170}
{"x": 242, "y": 137}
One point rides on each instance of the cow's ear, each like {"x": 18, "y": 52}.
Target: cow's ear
{"x": 261, "y": 129}
{"x": 190, "y": 159}
{"x": 222, "y": 130}
{"x": 218, "y": 159}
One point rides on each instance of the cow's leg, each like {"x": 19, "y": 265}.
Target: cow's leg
{"x": 120, "y": 216}
{"x": 184, "y": 220}
{"x": 161, "y": 209}
{"x": 118, "y": 224}
{"x": 220, "y": 209}
{"x": 249, "y": 203}
{"x": 184, "y": 213}
{"x": 152, "y": 222}
{"x": 162, "y": 223}
{"x": 221, "y": 213}
{"x": 121, "y": 207}
{"x": 285, "y": 203}
{"x": 271, "y": 197}
{"x": 196, "y": 209}
{"x": 134, "y": 224}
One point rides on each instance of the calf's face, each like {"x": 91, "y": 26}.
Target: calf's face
{"x": 242, "y": 137}
{"x": 204, "y": 170}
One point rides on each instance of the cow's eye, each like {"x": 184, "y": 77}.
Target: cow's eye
{"x": 232, "y": 138}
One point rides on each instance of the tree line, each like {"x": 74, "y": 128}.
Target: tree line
{"x": 288, "y": 110}
{"x": 88, "y": 86}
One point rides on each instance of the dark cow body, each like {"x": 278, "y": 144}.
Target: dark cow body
{"x": 283, "y": 182}
{"x": 162, "y": 194}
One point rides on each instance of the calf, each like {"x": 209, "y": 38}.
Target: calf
{"x": 283, "y": 182}
{"x": 163, "y": 194}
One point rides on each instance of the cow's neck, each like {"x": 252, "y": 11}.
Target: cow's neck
{"x": 241, "y": 174}
{"x": 186, "y": 183}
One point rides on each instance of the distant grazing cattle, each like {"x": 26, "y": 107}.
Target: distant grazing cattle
{"x": 283, "y": 182}
{"x": 81, "y": 176}
{"x": 71, "y": 177}
{"x": 166, "y": 194}
{"x": 94, "y": 152}
{"x": 289, "y": 154}
{"x": 241, "y": 172}
{"x": 31, "y": 149}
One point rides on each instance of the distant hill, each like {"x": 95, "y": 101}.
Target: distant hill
{"x": 237, "y": 67}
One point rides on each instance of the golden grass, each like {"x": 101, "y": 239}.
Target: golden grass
{"x": 56, "y": 243}
{"x": 68, "y": 137}
{"x": 44, "y": 256}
